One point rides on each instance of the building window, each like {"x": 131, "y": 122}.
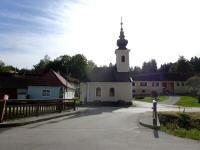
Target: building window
{"x": 133, "y": 91}
{"x": 143, "y": 83}
{"x": 112, "y": 92}
{"x": 143, "y": 91}
{"x": 98, "y": 91}
{"x": 61, "y": 93}
{"x": 123, "y": 58}
{"x": 164, "y": 84}
{"x": 133, "y": 83}
{"x": 182, "y": 83}
{"x": 177, "y": 84}
{"x": 46, "y": 93}
{"x": 155, "y": 83}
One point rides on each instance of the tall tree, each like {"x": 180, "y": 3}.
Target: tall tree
{"x": 136, "y": 70}
{"x": 61, "y": 64}
{"x": 195, "y": 62}
{"x": 78, "y": 66}
{"x": 149, "y": 67}
{"x": 2, "y": 63}
{"x": 5, "y": 68}
{"x": 194, "y": 83}
{"x": 181, "y": 66}
{"x": 91, "y": 65}
{"x": 42, "y": 65}
{"x": 164, "y": 68}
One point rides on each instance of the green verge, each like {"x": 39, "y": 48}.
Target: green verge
{"x": 149, "y": 99}
{"x": 188, "y": 101}
{"x": 186, "y": 125}
{"x": 181, "y": 132}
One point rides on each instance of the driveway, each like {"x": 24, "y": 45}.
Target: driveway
{"x": 172, "y": 100}
{"x": 97, "y": 129}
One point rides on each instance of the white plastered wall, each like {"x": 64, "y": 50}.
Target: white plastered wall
{"x": 123, "y": 91}
{"x": 148, "y": 89}
{"x": 122, "y": 66}
{"x": 181, "y": 89}
{"x": 69, "y": 93}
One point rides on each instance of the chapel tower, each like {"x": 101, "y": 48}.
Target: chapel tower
{"x": 122, "y": 53}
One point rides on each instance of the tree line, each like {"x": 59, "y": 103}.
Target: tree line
{"x": 73, "y": 68}
{"x": 182, "y": 65}
{"x": 76, "y": 67}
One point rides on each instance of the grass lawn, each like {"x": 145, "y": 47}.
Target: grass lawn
{"x": 149, "y": 99}
{"x": 188, "y": 101}
{"x": 186, "y": 125}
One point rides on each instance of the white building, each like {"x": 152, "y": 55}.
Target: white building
{"x": 118, "y": 83}
{"x": 113, "y": 83}
{"x": 50, "y": 85}
{"x": 162, "y": 83}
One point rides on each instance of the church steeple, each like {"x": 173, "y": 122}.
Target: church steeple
{"x": 122, "y": 53}
{"x": 122, "y": 42}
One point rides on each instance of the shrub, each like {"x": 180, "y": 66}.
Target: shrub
{"x": 123, "y": 103}
{"x": 181, "y": 124}
{"x": 139, "y": 97}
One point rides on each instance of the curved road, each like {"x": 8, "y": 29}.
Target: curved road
{"x": 97, "y": 129}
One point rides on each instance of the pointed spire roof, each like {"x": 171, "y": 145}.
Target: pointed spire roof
{"x": 122, "y": 42}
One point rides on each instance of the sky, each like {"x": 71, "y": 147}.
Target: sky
{"x": 155, "y": 29}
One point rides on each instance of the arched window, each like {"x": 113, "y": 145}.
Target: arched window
{"x": 123, "y": 58}
{"x": 98, "y": 91}
{"x": 112, "y": 92}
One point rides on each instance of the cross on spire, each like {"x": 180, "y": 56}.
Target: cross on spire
{"x": 121, "y": 24}
{"x": 122, "y": 42}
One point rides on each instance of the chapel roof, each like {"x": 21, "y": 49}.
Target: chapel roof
{"x": 110, "y": 74}
{"x": 107, "y": 74}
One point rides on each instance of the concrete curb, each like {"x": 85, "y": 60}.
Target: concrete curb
{"x": 149, "y": 126}
{"x": 146, "y": 121}
{"x": 9, "y": 125}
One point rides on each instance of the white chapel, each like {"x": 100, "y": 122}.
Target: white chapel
{"x": 110, "y": 84}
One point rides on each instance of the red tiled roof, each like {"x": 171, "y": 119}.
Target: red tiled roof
{"x": 51, "y": 78}
{"x": 62, "y": 80}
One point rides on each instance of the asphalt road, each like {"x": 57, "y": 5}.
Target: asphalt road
{"x": 97, "y": 129}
